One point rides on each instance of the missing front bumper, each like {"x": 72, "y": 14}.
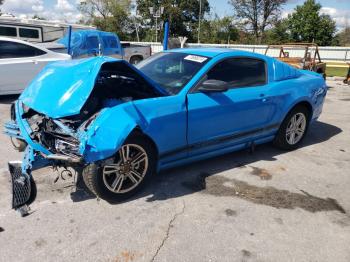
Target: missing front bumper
{"x": 23, "y": 188}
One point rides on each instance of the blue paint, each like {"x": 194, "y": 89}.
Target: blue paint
{"x": 166, "y": 35}
{"x": 86, "y": 43}
{"x": 62, "y": 88}
{"x": 184, "y": 127}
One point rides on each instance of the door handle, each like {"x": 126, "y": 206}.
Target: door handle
{"x": 263, "y": 98}
{"x": 35, "y": 62}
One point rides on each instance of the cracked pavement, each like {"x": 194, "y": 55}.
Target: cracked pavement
{"x": 266, "y": 206}
{"x": 170, "y": 225}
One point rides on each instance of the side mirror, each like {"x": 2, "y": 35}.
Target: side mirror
{"x": 212, "y": 85}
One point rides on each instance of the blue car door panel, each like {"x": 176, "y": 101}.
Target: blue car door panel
{"x": 245, "y": 110}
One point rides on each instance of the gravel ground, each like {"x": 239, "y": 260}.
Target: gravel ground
{"x": 266, "y": 206}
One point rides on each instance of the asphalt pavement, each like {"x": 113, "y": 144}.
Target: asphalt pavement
{"x": 269, "y": 205}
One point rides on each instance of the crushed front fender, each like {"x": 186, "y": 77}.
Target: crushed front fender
{"x": 108, "y": 132}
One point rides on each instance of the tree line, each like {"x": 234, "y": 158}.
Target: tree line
{"x": 1, "y": 2}
{"x": 251, "y": 21}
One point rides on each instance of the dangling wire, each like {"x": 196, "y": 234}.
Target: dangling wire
{"x": 65, "y": 173}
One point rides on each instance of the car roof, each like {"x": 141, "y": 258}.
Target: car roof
{"x": 40, "y": 46}
{"x": 10, "y": 39}
{"x": 4, "y": 38}
{"x": 212, "y": 52}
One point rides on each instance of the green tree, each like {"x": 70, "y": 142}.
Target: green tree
{"x": 1, "y": 2}
{"x": 182, "y": 15}
{"x": 257, "y": 15}
{"x": 227, "y": 32}
{"x": 108, "y": 15}
{"x": 344, "y": 36}
{"x": 219, "y": 31}
{"x": 279, "y": 34}
{"x": 306, "y": 24}
{"x": 38, "y": 17}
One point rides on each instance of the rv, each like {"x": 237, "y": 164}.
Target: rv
{"x": 35, "y": 30}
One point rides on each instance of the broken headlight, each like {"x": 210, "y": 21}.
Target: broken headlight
{"x": 67, "y": 148}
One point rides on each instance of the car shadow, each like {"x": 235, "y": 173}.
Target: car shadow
{"x": 188, "y": 179}
{"x": 199, "y": 177}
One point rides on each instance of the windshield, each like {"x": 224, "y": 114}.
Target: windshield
{"x": 172, "y": 71}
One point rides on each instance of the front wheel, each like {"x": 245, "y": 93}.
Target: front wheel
{"x": 123, "y": 175}
{"x": 293, "y": 129}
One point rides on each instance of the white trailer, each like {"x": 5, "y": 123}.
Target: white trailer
{"x": 35, "y": 30}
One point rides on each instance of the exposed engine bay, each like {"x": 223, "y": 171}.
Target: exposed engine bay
{"x": 114, "y": 85}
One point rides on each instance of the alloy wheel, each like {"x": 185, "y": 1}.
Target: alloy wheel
{"x": 296, "y": 128}
{"x": 127, "y": 170}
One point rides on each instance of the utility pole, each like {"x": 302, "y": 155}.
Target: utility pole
{"x": 156, "y": 13}
{"x": 199, "y": 20}
{"x": 136, "y": 17}
{"x": 137, "y": 30}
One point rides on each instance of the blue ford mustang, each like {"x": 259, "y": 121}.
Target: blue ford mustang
{"x": 117, "y": 124}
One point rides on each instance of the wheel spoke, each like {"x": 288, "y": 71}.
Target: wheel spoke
{"x": 134, "y": 176}
{"x": 118, "y": 182}
{"x": 138, "y": 158}
{"x": 293, "y": 121}
{"x": 292, "y": 137}
{"x": 111, "y": 169}
{"x": 299, "y": 121}
{"x": 299, "y": 132}
{"x": 124, "y": 153}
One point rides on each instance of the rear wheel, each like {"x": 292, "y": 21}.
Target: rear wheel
{"x": 293, "y": 129}
{"x": 123, "y": 175}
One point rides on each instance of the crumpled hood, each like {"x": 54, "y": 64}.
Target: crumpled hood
{"x": 62, "y": 88}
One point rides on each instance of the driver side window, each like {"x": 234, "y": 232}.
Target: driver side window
{"x": 239, "y": 72}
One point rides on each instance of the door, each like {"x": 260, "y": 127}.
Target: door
{"x": 19, "y": 64}
{"x": 218, "y": 119}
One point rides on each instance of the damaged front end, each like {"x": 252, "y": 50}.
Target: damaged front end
{"x": 45, "y": 142}
{"x": 73, "y": 123}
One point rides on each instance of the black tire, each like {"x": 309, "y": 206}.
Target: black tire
{"x": 87, "y": 174}
{"x": 134, "y": 60}
{"x": 93, "y": 173}
{"x": 280, "y": 140}
{"x": 33, "y": 191}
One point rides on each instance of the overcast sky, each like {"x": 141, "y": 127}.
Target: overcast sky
{"x": 66, "y": 10}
